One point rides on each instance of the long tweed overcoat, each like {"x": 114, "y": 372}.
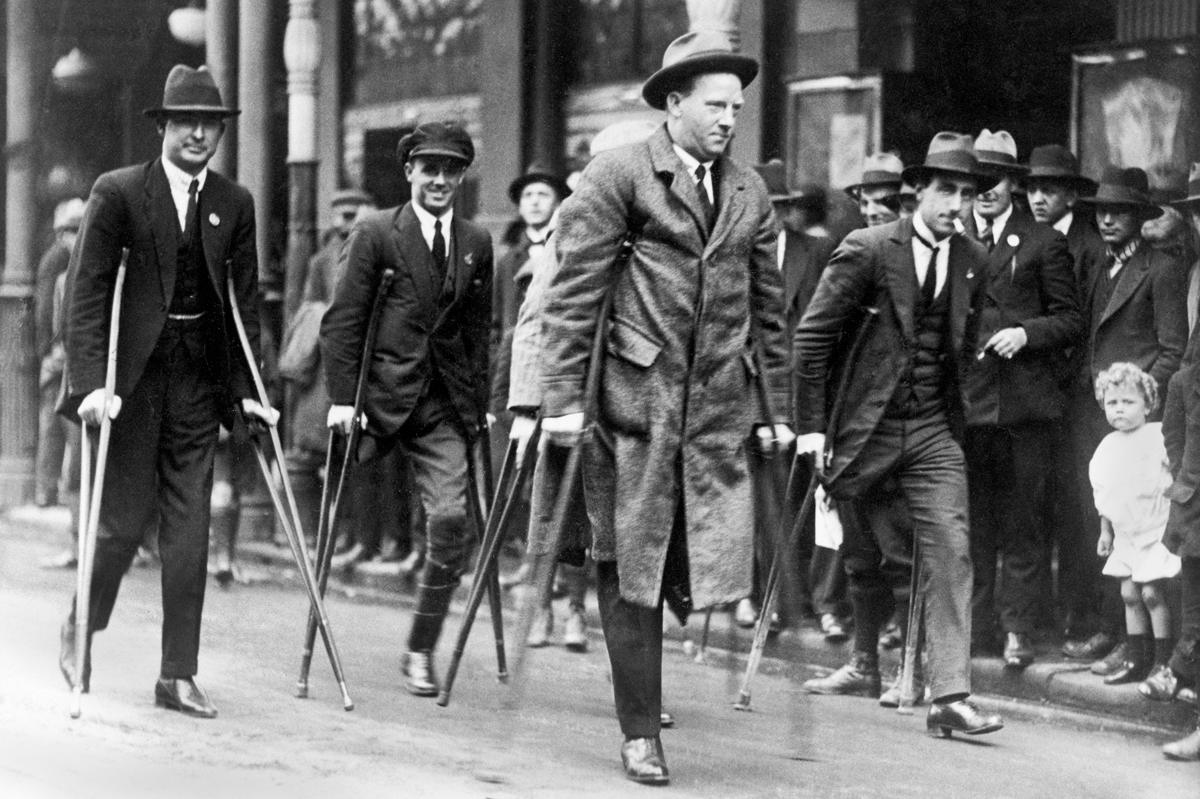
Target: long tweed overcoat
{"x": 677, "y": 399}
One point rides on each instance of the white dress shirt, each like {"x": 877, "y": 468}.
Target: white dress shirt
{"x": 997, "y": 224}
{"x": 179, "y": 181}
{"x": 921, "y": 254}
{"x": 1064, "y": 223}
{"x": 690, "y": 163}
{"x": 427, "y": 221}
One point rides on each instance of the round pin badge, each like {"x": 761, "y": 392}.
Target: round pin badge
{"x": 214, "y": 220}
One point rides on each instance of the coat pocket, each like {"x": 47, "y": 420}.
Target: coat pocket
{"x": 625, "y": 395}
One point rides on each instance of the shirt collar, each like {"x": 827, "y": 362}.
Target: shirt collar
{"x": 690, "y": 161}
{"x": 427, "y": 219}
{"x": 179, "y": 180}
{"x": 922, "y": 230}
{"x": 998, "y": 224}
{"x": 1063, "y": 225}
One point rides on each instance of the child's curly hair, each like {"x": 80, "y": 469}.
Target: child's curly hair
{"x": 1128, "y": 374}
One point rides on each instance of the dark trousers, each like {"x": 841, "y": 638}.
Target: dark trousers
{"x": 928, "y": 468}
{"x": 633, "y": 635}
{"x": 1007, "y": 469}
{"x": 1089, "y": 597}
{"x": 877, "y": 556}
{"x": 1185, "y": 661}
{"x": 827, "y": 577}
{"x": 160, "y": 467}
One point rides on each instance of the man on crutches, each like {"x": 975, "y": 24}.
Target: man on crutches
{"x": 179, "y": 371}
{"x": 427, "y": 386}
{"x": 904, "y": 398}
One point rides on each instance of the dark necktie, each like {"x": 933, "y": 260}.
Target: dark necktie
{"x": 705, "y": 201}
{"x": 987, "y": 239}
{"x": 929, "y": 285}
{"x": 189, "y": 222}
{"x": 439, "y": 249}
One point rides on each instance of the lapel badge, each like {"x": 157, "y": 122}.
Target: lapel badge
{"x": 970, "y": 274}
{"x": 1013, "y": 239}
{"x": 469, "y": 259}
{"x": 214, "y": 220}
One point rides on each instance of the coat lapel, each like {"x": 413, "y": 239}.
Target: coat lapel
{"x": 406, "y": 233}
{"x": 213, "y": 226}
{"x": 1128, "y": 280}
{"x": 164, "y": 222}
{"x": 731, "y": 202}
{"x": 666, "y": 163}
{"x": 958, "y": 278}
{"x": 901, "y": 275}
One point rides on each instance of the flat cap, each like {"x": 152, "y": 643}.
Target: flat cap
{"x": 444, "y": 139}
{"x": 350, "y": 197}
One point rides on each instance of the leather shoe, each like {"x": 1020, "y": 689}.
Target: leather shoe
{"x": 1110, "y": 663}
{"x": 67, "y": 657}
{"x": 666, "y": 720}
{"x": 832, "y": 627}
{"x": 891, "y": 697}
{"x": 1128, "y": 671}
{"x": 184, "y": 695}
{"x": 1018, "y": 650}
{"x": 418, "y": 674}
{"x": 859, "y": 677}
{"x": 575, "y": 632}
{"x": 1187, "y": 748}
{"x": 960, "y": 716}
{"x": 1162, "y": 685}
{"x": 1093, "y": 648}
{"x": 644, "y": 762}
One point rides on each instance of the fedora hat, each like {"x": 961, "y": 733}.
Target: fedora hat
{"x": 1129, "y": 187}
{"x": 696, "y": 53}
{"x": 1189, "y": 203}
{"x": 191, "y": 91}
{"x": 880, "y": 169}
{"x": 950, "y": 154}
{"x": 997, "y": 152}
{"x": 538, "y": 173}
{"x": 774, "y": 174}
{"x": 1057, "y": 163}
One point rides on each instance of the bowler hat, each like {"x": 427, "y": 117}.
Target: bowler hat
{"x": 444, "y": 139}
{"x": 696, "y": 53}
{"x": 538, "y": 173}
{"x": 1057, "y": 163}
{"x": 997, "y": 152}
{"x": 191, "y": 91}
{"x": 1189, "y": 203}
{"x": 950, "y": 154}
{"x": 1129, "y": 187}
{"x": 350, "y": 197}
{"x": 619, "y": 134}
{"x": 774, "y": 174}
{"x": 880, "y": 169}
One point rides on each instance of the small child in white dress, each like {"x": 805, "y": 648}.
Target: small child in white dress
{"x": 1130, "y": 475}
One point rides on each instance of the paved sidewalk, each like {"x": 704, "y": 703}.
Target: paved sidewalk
{"x": 1052, "y": 687}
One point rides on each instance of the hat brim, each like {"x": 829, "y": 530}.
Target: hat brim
{"x": 852, "y": 191}
{"x": 1078, "y": 182}
{"x": 1146, "y": 211}
{"x": 919, "y": 173}
{"x": 661, "y": 83}
{"x": 203, "y": 110}
{"x": 558, "y": 184}
{"x": 435, "y": 152}
{"x": 1191, "y": 203}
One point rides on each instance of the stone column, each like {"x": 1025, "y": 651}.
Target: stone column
{"x": 221, "y": 56}
{"x": 18, "y": 362}
{"x": 501, "y": 89}
{"x": 254, "y": 128}
{"x": 302, "y": 56}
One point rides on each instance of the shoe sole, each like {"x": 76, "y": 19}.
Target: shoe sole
{"x": 648, "y": 780}
{"x": 417, "y": 691}
{"x": 575, "y": 646}
{"x": 178, "y": 708}
{"x": 945, "y": 732}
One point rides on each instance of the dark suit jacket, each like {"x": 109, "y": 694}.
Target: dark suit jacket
{"x": 1181, "y": 434}
{"x": 804, "y": 259}
{"x": 418, "y": 333}
{"x": 1145, "y": 319}
{"x": 131, "y": 208}
{"x": 1030, "y": 284}
{"x": 875, "y": 267}
{"x": 1088, "y": 252}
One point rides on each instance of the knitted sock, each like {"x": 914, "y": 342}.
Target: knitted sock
{"x": 1139, "y": 649}
{"x": 1162, "y": 650}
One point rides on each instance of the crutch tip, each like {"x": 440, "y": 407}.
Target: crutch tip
{"x": 443, "y": 699}
{"x": 347, "y": 706}
{"x": 502, "y": 677}
{"x": 302, "y": 691}
{"x": 743, "y": 702}
{"x": 76, "y": 703}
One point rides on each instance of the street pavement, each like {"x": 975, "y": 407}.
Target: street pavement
{"x": 552, "y": 735}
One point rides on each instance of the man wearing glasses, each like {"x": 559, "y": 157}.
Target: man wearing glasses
{"x": 427, "y": 385}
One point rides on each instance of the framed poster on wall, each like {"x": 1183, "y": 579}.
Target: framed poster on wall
{"x": 833, "y": 124}
{"x": 1137, "y": 106}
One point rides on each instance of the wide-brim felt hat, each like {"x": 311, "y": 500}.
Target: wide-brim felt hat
{"x": 1128, "y": 187}
{"x": 696, "y": 53}
{"x": 950, "y": 154}
{"x": 774, "y": 174}
{"x": 1057, "y": 163}
{"x": 434, "y": 140}
{"x": 191, "y": 91}
{"x": 1192, "y": 201}
{"x": 879, "y": 169}
{"x": 538, "y": 173}
{"x": 997, "y": 152}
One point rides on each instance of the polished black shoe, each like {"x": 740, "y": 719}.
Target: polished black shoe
{"x": 418, "y": 674}
{"x": 1018, "y": 650}
{"x": 1093, "y": 648}
{"x": 666, "y": 720}
{"x": 1162, "y": 685}
{"x": 184, "y": 695}
{"x": 1110, "y": 662}
{"x": 67, "y": 657}
{"x": 1129, "y": 671}
{"x": 960, "y": 716}
{"x": 644, "y": 762}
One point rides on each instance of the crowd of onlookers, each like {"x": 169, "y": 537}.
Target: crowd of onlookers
{"x": 1082, "y": 439}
